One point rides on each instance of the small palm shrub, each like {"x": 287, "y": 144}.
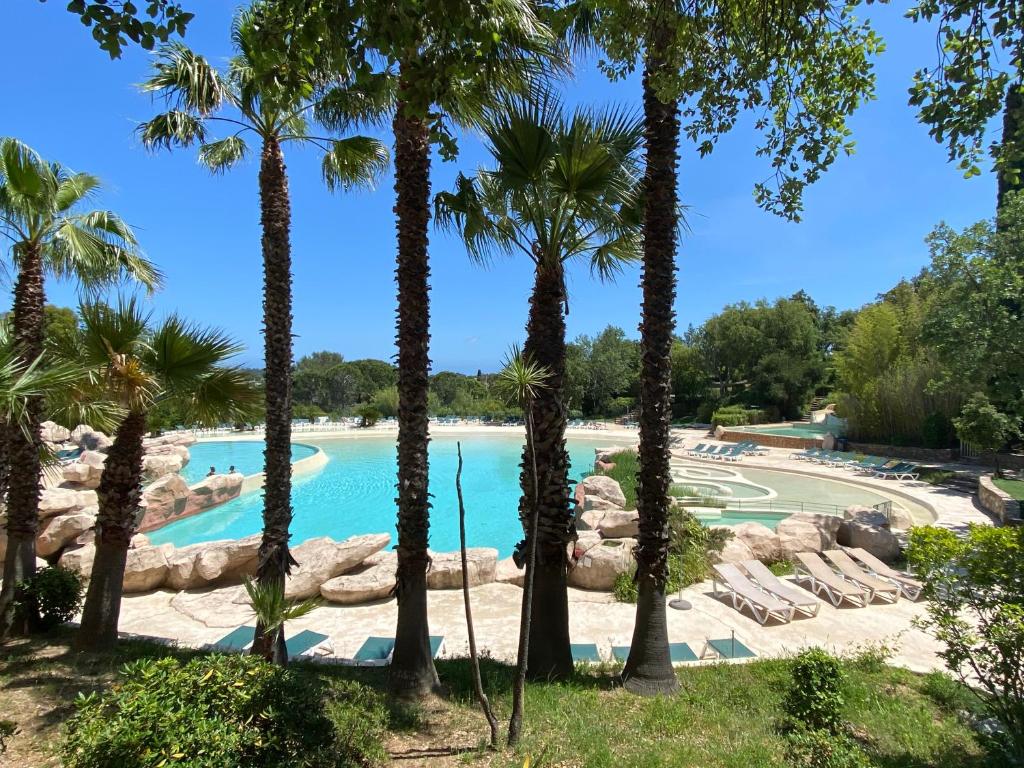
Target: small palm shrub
{"x": 54, "y": 594}
{"x": 217, "y": 711}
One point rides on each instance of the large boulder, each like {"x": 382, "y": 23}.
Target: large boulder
{"x": 177, "y": 438}
{"x": 601, "y": 565}
{"x": 76, "y": 473}
{"x": 900, "y": 519}
{"x": 79, "y": 560}
{"x": 213, "y": 491}
{"x": 612, "y": 524}
{"x": 146, "y": 568}
{"x": 603, "y": 487}
{"x": 362, "y": 585}
{"x": 445, "y": 570}
{"x": 63, "y": 529}
{"x": 163, "y": 501}
{"x": 181, "y": 568}
{"x": 86, "y": 470}
{"x": 59, "y": 501}
{"x": 230, "y": 560}
{"x": 322, "y": 559}
{"x": 605, "y": 454}
{"x": 868, "y": 515}
{"x": 596, "y": 503}
{"x": 881, "y": 542}
{"x": 94, "y": 440}
{"x": 734, "y": 551}
{"x": 155, "y": 466}
{"x": 806, "y": 532}
{"x": 507, "y": 572}
{"x": 52, "y": 432}
{"x": 764, "y": 543}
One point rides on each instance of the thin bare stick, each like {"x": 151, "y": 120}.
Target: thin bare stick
{"x": 478, "y": 684}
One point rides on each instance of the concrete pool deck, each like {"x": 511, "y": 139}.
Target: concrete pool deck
{"x": 199, "y": 617}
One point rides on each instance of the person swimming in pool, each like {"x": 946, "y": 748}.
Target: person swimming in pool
{"x": 212, "y": 472}
{"x": 232, "y": 470}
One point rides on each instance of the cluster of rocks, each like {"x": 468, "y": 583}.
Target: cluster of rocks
{"x": 607, "y": 531}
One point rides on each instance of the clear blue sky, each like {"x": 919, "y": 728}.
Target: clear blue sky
{"x": 862, "y": 230}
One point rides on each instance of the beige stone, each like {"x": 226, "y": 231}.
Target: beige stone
{"x": 213, "y": 491}
{"x": 619, "y": 524}
{"x": 764, "y": 543}
{"x": 868, "y": 515}
{"x": 52, "y": 432}
{"x": 806, "y": 532}
{"x": 507, "y": 572}
{"x": 445, "y": 570}
{"x": 605, "y": 488}
{"x": 227, "y": 560}
{"x": 734, "y": 551}
{"x": 76, "y": 473}
{"x": 79, "y": 560}
{"x": 94, "y": 441}
{"x": 601, "y": 565}
{"x": 596, "y": 503}
{"x": 900, "y": 519}
{"x": 155, "y": 466}
{"x": 63, "y": 529}
{"x": 139, "y": 540}
{"x": 146, "y": 568}
{"x": 164, "y": 501}
{"x": 322, "y": 559}
{"x": 181, "y": 568}
{"x": 362, "y": 585}
{"x": 57, "y": 501}
{"x": 881, "y": 542}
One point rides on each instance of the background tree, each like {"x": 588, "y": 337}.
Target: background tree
{"x": 562, "y": 188}
{"x": 269, "y": 90}
{"x": 139, "y": 366}
{"x": 41, "y": 216}
{"x": 981, "y": 424}
{"x": 803, "y": 68}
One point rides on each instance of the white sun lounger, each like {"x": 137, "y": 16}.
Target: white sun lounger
{"x": 772, "y": 584}
{"x": 909, "y": 586}
{"x": 850, "y": 571}
{"x": 821, "y": 579}
{"x": 744, "y": 592}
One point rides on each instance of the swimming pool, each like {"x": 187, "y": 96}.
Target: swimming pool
{"x": 810, "y": 431}
{"x": 246, "y": 456}
{"x": 355, "y": 493}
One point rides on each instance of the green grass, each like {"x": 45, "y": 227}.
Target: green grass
{"x": 1013, "y": 487}
{"x": 724, "y": 716}
{"x": 935, "y": 476}
{"x": 624, "y": 473}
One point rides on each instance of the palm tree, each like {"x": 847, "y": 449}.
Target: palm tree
{"x": 563, "y": 188}
{"x": 40, "y": 214}
{"x": 140, "y": 367}
{"x": 453, "y": 58}
{"x": 260, "y": 100}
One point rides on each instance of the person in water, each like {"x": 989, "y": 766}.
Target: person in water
{"x": 232, "y": 470}
{"x": 212, "y": 472}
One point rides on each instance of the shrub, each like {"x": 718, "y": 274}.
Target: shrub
{"x": 937, "y": 431}
{"x": 54, "y": 594}
{"x": 8, "y": 730}
{"x": 624, "y": 473}
{"x": 815, "y": 696}
{"x": 369, "y": 414}
{"x": 737, "y": 416}
{"x": 824, "y": 749}
{"x": 218, "y": 711}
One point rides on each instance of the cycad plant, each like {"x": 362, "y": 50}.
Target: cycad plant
{"x": 272, "y": 610}
{"x": 563, "y": 188}
{"x": 43, "y": 215}
{"x": 254, "y": 97}
{"x": 139, "y": 365}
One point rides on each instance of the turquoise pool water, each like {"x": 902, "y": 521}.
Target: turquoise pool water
{"x": 245, "y": 456}
{"x": 729, "y": 517}
{"x": 354, "y": 493}
{"x": 810, "y": 431}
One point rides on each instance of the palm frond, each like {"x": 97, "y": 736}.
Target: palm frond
{"x": 221, "y": 155}
{"x": 272, "y": 609}
{"x": 172, "y": 129}
{"x": 181, "y": 354}
{"x": 74, "y": 190}
{"x": 344, "y": 107}
{"x": 186, "y": 80}
{"x": 521, "y": 379}
{"x": 357, "y": 161}
{"x": 29, "y": 182}
{"x": 224, "y": 394}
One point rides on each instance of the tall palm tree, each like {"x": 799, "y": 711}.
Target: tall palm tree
{"x": 41, "y": 214}
{"x": 139, "y": 367}
{"x": 453, "y": 58}
{"x": 253, "y": 97}
{"x": 563, "y": 188}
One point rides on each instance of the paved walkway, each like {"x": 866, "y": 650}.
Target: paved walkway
{"x": 203, "y": 616}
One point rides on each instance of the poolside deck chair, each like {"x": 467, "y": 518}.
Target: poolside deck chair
{"x": 697, "y": 449}
{"x": 680, "y": 653}
{"x": 376, "y": 651}
{"x": 585, "y": 653}
{"x": 821, "y": 579}
{"x": 909, "y": 586}
{"x": 806, "y": 454}
{"x": 236, "y": 640}
{"x": 886, "y": 464}
{"x": 850, "y": 571}
{"x": 306, "y": 641}
{"x": 735, "y": 453}
{"x": 841, "y": 459}
{"x": 727, "y": 648}
{"x": 775, "y": 586}
{"x": 901, "y": 471}
{"x": 868, "y": 464}
{"x": 745, "y": 593}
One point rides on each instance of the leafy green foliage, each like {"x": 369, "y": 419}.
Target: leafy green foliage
{"x": 980, "y": 423}
{"x": 815, "y": 695}
{"x": 54, "y": 594}
{"x": 602, "y": 371}
{"x": 114, "y": 22}
{"x": 974, "y": 592}
{"x": 271, "y": 608}
{"x": 8, "y": 730}
{"x": 737, "y": 416}
{"x": 824, "y": 749}
{"x": 369, "y": 415}
{"x": 217, "y": 711}
{"x": 627, "y": 464}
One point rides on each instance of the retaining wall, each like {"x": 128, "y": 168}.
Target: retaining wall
{"x": 998, "y": 502}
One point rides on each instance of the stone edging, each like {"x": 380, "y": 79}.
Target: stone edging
{"x": 997, "y": 501}
{"x": 301, "y": 467}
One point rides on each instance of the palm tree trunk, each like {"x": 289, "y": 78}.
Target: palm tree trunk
{"x": 648, "y": 669}
{"x": 119, "y": 494}
{"x": 550, "y": 655}
{"x": 23, "y": 447}
{"x": 275, "y": 560}
{"x": 412, "y": 665}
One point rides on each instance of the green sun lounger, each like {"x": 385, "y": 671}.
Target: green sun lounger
{"x": 237, "y": 639}
{"x": 678, "y": 652}
{"x": 727, "y": 648}
{"x": 304, "y": 641}
{"x": 585, "y": 653}
{"x": 377, "y": 650}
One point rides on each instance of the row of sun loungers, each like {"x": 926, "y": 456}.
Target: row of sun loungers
{"x": 876, "y": 466}
{"x": 851, "y": 575}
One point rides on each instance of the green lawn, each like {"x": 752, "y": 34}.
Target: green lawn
{"x": 725, "y": 716}
{"x": 1013, "y": 487}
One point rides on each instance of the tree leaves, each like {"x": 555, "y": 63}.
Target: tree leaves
{"x": 114, "y": 23}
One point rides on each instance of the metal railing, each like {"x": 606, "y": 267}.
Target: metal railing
{"x": 796, "y": 505}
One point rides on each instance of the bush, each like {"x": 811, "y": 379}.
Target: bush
{"x": 624, "y": 473}
{"x": 815, "y": 696}
{"x": 219, "y": 711}
{"x": 737, "y": 416}
{"x": 937, "y": 431}
{"x": 54, "y": 594}
{"x": 8, "y": 730}
{"x": 824, "y": 749}
{"x": 369, "y": 414}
